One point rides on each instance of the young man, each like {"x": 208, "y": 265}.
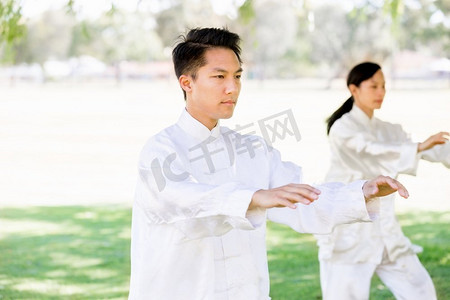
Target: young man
{"x": 199, "y": 216}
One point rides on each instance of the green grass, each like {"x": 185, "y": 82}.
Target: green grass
{"x": 294, "y": 268}
{"x": 64, "y": 252}
{"x": 83, "y": 253}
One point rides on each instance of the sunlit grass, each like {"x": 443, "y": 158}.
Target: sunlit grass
{"x": 64, "y": 252}
{"x": 83, "y": 253}
{"x": 294, "y": 268}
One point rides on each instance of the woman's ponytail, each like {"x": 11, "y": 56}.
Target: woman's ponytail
{"x": 345, "y": 108}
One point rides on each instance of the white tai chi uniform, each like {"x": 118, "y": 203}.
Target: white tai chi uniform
{"x": 363, "y": 148}
{"x": 192, "y": 234}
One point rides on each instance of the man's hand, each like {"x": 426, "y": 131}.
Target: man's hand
{"x": 383, "y": 186}
{"x": 284, "y": 196}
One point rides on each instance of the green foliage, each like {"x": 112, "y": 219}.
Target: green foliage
{"x": 11, "y": 27}
{"x": 69, "y": 6}
{"x": 246, "y": 12}
{"x": 394, "y": 8}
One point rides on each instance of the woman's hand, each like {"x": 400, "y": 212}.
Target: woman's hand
{"x": 438, "y": 138}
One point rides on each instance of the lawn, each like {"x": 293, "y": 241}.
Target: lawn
{"x": 82, "y": 252}
{"x": 294, "y": 269}
{"x": 64, "y": 252}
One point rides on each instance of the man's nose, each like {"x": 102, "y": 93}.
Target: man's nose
{"x": 232, "y": 86}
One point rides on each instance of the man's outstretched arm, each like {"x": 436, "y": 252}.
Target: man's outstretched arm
{"x": 291, "y": 194}
{"x": 323, "y": 208}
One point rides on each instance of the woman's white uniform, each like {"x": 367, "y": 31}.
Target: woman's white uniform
{"x": 364, "y": 148}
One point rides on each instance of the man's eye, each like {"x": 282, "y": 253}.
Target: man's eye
{"x": 219, "y": 76}
{"x": 238, "y": 76}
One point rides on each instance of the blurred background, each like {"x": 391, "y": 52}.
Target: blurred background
{"x": 79, "y": 40}
{"x": 84, "y": 84}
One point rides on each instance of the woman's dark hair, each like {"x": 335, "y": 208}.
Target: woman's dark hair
{"x": 358, "y": 74}
{"x": 189, "y": 54}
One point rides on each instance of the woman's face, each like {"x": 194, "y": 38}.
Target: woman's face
{"x": 370, "y": 93}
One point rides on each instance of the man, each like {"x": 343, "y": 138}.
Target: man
{"x": 198, "y": 227}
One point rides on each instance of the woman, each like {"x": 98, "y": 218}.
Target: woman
{"x": 363, "y": 146}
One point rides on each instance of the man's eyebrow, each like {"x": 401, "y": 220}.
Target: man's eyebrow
{"x": 225, "y": 71}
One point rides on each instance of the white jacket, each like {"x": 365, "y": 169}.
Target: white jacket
{"x": 362, "y": 148}
{"x": 193, "y": 236}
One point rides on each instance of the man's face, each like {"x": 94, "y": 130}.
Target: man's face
{"x": 214, "y": 92}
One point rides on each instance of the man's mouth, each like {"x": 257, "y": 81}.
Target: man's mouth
{"x": 229, "y": 102}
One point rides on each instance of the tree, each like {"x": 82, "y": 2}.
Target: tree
{"x": 280, "y": 38}
{"x": 426, "y": 25}
{"x": 182, "y": 14}
{"x": 343, "y": 38}
{"x": 11, "y": 27}
{"x": 268, "y": 33}
{"x": 49, "y": 37}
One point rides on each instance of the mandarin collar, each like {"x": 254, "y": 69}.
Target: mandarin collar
{"x": 196, "y": 129}
{"x": 361, "y": 116}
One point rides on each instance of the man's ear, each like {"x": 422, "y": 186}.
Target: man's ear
{"x": 185, "y": 82}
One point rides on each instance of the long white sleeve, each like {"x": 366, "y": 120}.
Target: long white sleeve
{"x": 439, "y": 153}
{"x": 197, "y": 208}
{"x": 385, "y": 151}
{"x": 338, "y": 203}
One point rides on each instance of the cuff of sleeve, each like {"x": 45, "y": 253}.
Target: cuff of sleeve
{"x": 409, "y": 158}
{"x": 439, "y": 153}
{"x": 237, "y": 204}
{"x": 353, "y": 205}
{"x": 232, "y": 214}
{"x": 257, "y": 217}
{"x": 373, "y": 208}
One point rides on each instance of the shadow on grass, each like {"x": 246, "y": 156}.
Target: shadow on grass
{"x": 293, "y": 264}
{"x": 64, "y": 252}
{"x": 83, "y": 253}
{"x": 294, "y": 268}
